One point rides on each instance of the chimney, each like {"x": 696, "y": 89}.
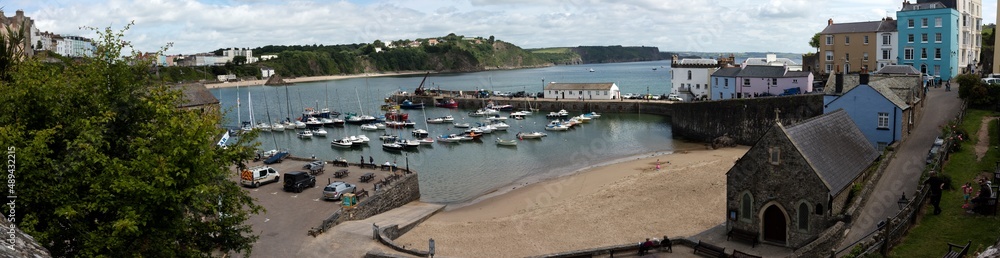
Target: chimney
{"x": 863, "y": 78}
{"x": 829, "y": 22}
{"x": 839, "y": 83}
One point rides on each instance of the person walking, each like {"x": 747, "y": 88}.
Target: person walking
{"x": 936, "y": 184}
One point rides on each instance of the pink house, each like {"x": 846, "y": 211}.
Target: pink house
{"x": 763, "y": 80}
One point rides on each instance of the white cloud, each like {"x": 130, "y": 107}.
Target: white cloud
{"x": 710, "y": 25}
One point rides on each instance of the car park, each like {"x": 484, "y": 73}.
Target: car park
{"x": 335, "y": 190}
{"x": 259, "y": 175}
{"x": 297, "y": 181}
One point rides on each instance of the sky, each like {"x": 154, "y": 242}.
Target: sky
{"x": 197, "y": 26}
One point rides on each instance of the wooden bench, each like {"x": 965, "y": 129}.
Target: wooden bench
{"x": 709, "y": 250}
{"x": 369, "y": 165}
{"x": 339, "y": 163}
{"x": 743, "y": 235}
{"x": 341, "y": 173}
{"x": 385, "y": 167}
{"x": 957, "y": 251}
{"x": 738, "y": 254}
{"x": 361, "y": 193}
{"x": 367, "y": 177}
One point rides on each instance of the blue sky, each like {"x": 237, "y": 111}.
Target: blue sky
{"x": 195, "y": 26}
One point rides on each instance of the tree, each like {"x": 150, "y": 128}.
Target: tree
{"x": 108, "y": 166}
{"x": 814, "y": 42}
{"x": 239, "y": 60}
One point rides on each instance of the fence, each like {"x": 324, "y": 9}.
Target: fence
{"x": 893, "y": 229}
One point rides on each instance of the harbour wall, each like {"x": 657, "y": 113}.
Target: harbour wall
{"x": 745, "y": 120}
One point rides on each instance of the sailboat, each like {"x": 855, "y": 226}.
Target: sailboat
{"x": 276, "y": 126}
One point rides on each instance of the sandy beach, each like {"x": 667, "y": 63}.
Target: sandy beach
{"x": 619, "y": 203}
{"x": 311, "y": 79}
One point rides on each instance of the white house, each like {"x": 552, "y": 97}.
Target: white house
{"x": 266, "y": 72}
{"x": 691, "y": 78}
{"x": 602, "y": 90}
{"x": 773, "y": 60}
{"x": 887, "y": 47}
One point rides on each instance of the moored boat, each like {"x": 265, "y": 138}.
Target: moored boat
{"x": 319, "y": 132}
{"x": 531, "y": 135}
{"x": 420, "y": 133}
{"x": 407, "y": 104}
{"x": 435, "y": 120}
{"x": 448, "y": 119}
{"x": 392, "y": 146}
{"x": 461, "y": 125}
{"x": 449, "y": 103}
{"x": 342, "y": 143}
{"x": 305, "y": 134}
{"x": 369, "y": 127}
{"x": 426, "y": 140}
{"x": 506, "y": 142}
{"x": 449, "y": 138}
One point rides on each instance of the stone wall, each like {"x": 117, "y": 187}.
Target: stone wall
{"x": 746, "y": 120}
{"x": 398, "y": 193}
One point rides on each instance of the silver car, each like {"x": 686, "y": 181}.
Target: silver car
{"x": 334, "y": 190}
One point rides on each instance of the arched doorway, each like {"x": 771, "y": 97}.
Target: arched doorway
{"x": 923, "y": 68}
{"x": 775, "y": 224}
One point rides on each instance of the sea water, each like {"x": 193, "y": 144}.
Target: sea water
{"x": 457, "y": 172}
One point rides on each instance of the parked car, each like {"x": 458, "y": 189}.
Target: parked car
{"x": 298, "y": 180}
{"x": 259, "y": 175}
{"x": 521, "y": 94}
{"x": 991, "y": 80}
{"x": 335, "y": 190}
{"x": 653, "y": 97}
{"x": 315, "y": 167}
{"x": 674, "y": 97}
{"x": 935, "y": 148}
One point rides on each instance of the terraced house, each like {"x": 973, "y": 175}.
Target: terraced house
{"x": 928, "y": 38}
{"x": 851, "y": 47}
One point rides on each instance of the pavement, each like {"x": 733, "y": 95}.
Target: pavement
{"x": 903, "y": 172}
{"x": 354, "y": 238}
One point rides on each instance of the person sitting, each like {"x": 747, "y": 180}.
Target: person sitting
{"x": 667, "y": 245}
{"x": 645, "y": 246}
{"x": 980, "y": 201}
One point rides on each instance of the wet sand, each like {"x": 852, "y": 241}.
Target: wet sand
{"x": 614, "y": 204}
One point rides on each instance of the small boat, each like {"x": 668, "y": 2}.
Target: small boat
{"x": 327, "y": 122}
{"x": 506, "y": 142}
{"x": 266, "y": 127}
{"x": 426, "y": 140}
{"x": 277, "y": 127}
{"x": 388, "y": 137}
{"x": 496, "y": 118}
{"x": 501, "y": 107}
{"x": 450, "y": 103}
{"x": 500, "y": 126}
{"x": 591, "y": 69}
{"x": 474, "y": 130}
{"x": 449, "y": 138}
{"x": 299, "y": 125}
{"x": 342, "y": 143}
{"x": 448, "y": 119}
{"x": 420, "y": 133}
{"x": 409, "y": 124}
{"x": 305, "y": 134}
{"x": 462, "y": 125}
{"x": 561, "y": 113}
{"x": 531, "y": 135}
{"x": 369, "y": 127}
{"x": 312, "y": 122}
{"x": 379, "y": 126}
{"x": 288, "y": 124}
{"x": 593, "y": 115}
{"x": 363, "y": 138}
{"x": 582, "y": 118}
{"x": 338, "y": 122}
{"x": 408, "y": 143}
{"x": 407, "y": 104}
{"x": 468, "y": 136}
{"x": 319, "y": 132}
{"x": 435, "y": 120}
{"x": 557, "y": 128}
{"x": 392, "y": 146}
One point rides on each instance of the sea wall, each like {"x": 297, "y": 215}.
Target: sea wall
{"x": 745, "y": 120}
{"x": 394, "y": 195}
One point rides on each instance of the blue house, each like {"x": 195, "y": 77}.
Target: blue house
{"x": 928, "y": 38}
{"x": 723, "y": 83}
{"x": 882, "y": 116}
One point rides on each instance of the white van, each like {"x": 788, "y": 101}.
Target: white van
{"x": 259, "y": 175}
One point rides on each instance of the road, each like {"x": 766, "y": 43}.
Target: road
{"x": 903, "y": 171}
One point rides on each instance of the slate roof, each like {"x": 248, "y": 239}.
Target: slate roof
{"x": 851, "y": 27}
{"x": 891, "y": 96}
{"x": 727, "y": 72}
{"x": 762, "y": 71}
{"x": 834, "y": 147}
{"x": 898, "y": 69}
{"x": 889, "y": 81}
{"x": 798, "y": 73}
{"x": 195, "y": 94}
{"x": 702, "y": 61}
{"x": 579, "y": 86}
{"x": 923, "y": 6}
{"x": 887, "y": 26}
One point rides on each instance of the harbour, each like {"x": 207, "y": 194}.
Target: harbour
{"x": 459, "y": 172}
